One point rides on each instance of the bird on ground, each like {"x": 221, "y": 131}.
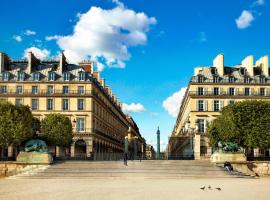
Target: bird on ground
{"x": 202, "y": 188}
{"x": 218, "y": 188}
{"x": 209, "y": 187}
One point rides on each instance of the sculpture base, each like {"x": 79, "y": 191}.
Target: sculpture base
{"x": 34, "y": 158}
{"x": 229, "y": 157}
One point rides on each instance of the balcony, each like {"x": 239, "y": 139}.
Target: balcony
{"x": 211, "y": 94}
{"x": 45, "y": 93}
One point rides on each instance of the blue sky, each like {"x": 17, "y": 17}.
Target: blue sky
{"x": 146, "y": 49}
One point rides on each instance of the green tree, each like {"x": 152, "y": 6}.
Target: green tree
{"x": 15, "y": 124}
{"x": 246, "y": 123}
{"x": 57, "y": 130}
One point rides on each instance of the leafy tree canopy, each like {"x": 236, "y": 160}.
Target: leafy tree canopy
{"x": 15, "y": 124}
{"x": 57, "y": 129}
{"x": 246, "y": 123}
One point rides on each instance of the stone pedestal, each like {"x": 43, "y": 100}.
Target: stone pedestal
{"x": 197, "y": 147}
{"x": 34, "y": 157}
{"x": 229, "y": 157}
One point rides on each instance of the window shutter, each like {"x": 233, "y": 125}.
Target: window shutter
{"x": 204, "y": 91}
{"x": 221, "y": 104}
{"x": 205, "y": 105}
{"x": 220, "y": 91}
{"x": 252, "y": 91}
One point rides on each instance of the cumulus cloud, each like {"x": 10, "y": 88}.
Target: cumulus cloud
{"x": 39, "y": 53}
{"x": 245, "y": 19}
{"x": 133, "y": 107}
{"x": 106, "y": 35}
{"x": 29, "y": 32}
{"x": 173, "y": 102}
{"x": 18, "y": 38}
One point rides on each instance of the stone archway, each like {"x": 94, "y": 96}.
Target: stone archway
{"x": 80, "y": 149}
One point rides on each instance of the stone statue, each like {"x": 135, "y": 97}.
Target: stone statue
{"x": 36, "y": 145}
{"x": 229, "y": 147}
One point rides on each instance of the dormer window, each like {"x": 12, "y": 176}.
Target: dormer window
{"x": 200, "y": 79}
{"x": 215, "y": 79}
{"x": 51, "y": 76}
{"x": 36, "y": 76}
{"x": 231, "y": 79}
{"x": 262, "y": 79}
{"x": 66, "y": 76}
{"x": 81, "y": 76}
{"x": 5, "y": 76}
{"x": 246, "y": 80}
{"x": 20, "y": 76}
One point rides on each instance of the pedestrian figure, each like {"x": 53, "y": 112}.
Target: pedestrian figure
{"x": 228, "y": 166}
{"x": 125, "y": 158}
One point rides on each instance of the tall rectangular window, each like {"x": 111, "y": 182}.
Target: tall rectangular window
{"x": 247, "y": 91}
{"x": 216, "y": 106}
{"x": 80, "y": 124}
{"x": 65, "y": 105}
{"x": 65, "y": 89}
{"x": 36, "y": 76}
{"x": 34, "y": 104}
{"x": 81, "y": 76}
{"x": 231, "y": 102}
{"x": 3, "y": 89}
{"x": 200, "y": 105}
{"x": 200, "y": 91}
{"x": 51, "y": 76}
{"x": 215, "y": 79}
{"x": 19, "y": 89}
{"x": 49, "y": 104}
{"x": 66, "y": 76}
{"x": 18, "y": 102}
{"x": 20, "y": 76}
{"x": 50, "y": 89}
{"x": 201, "y": 126}
{"x": 34, "y": 89}
{"x": 262, "y": 92}
{"x": 231, "y": 91}
{"x": 200, "y": 79}
{"x": 80, "y": 89}
{"x": 5, "y": 76}
{"x": 80, "y": 104}
{"x": 216, "y": 91}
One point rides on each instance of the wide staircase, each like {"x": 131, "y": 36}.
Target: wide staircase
{"x": 116, "y": 169}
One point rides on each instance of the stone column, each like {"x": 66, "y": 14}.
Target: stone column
{"x": 89, "y": 148}
{"x": 256, "y": 152}
{"x": 72, "y": 150}
{"x": 197, "y": 146}
{"x": 10, "y": 151}
{"x": 57, "y": 153}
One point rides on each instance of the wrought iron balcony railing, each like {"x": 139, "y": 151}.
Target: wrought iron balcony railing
{"x": 227, "y": 93}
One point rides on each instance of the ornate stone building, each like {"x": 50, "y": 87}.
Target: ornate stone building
{"x": 150, "y": 152}
{"x": 209, "y": 90}
{"x": 76, "y": 91}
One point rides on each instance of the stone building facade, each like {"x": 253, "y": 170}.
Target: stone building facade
{"x": 150, "y": 152}
{"x": 209, "y": 90}
{"x": 77, "y": 91}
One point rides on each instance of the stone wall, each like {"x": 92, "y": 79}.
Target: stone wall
{"x": 12, "y": 168}
{"x": 256, "y": 168}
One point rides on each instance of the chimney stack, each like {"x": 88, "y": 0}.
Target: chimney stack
{"x": 87, "y": 65}
{"x": 248, "y": 63}
{"x": 102, "y": 81}
{"x": 32, "y": 61}
{"x": 62, "y": 63}
{"x": 4, "y": 60}
{"x": 97, "y": 75}
{"x": 263, "y": 63}
{"x": 219, "y": 64}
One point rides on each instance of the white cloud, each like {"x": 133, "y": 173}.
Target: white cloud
{"x": 105, "y": 35}
{"x": 18, "y": 38}
{"x": 258, "y": 3}
{"x": 245, "y": 19}
{"x": 133, "y": 107}
{"x": 39, "y": 53}
{"x": 29, "y": 32}
{"x": 54, "y": 37}
{"x": 163, "y": 145}
{"x": 173, "y": 102}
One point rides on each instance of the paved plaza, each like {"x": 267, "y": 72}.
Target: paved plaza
{"x": 112, "y": 180}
